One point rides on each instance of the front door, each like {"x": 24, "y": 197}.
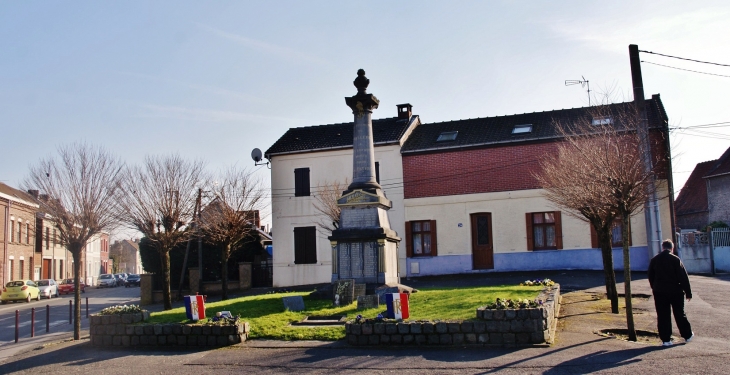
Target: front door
{"x": 481, "y": 241}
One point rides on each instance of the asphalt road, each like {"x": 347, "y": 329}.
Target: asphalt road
{"x": 58, "y": 310}
{"x": 577, "y": 350}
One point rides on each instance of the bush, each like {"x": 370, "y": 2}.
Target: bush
{"x": 121, "y": 309}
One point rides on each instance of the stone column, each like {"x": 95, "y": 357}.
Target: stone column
{"x": 193, "y": 277}
{"x": 363, "y": 153}
{"x": 364, "y": 245}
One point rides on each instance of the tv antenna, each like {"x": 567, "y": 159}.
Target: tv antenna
{"x": 582, "y": 83}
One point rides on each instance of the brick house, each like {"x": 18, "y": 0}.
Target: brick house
{"x": 463, "y": 193}
{"x": 18, "y": 234}
{"x": 126, "y": 254}
{"x": 705, "y": 196}
{"x": 472, "y": 201}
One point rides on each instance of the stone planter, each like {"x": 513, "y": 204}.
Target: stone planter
{"x": 130, "y": 330}
{"x": 522, "y": 327}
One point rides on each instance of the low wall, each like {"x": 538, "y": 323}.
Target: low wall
{"x": 130, "y": 330}
{"x": 520, "y": 327}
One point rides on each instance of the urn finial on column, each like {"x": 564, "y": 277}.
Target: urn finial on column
{"x": 361, "y": 82}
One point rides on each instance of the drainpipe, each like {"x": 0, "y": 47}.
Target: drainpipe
{"x": 5, "y": 242}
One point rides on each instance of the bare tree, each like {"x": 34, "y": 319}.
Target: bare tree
{"x": 325, "y": 202}
{"x": 81, "y": 185}
{"x": 603, "y": 154}
{"x": 231, "y": 218}
{"x": 158, "y": 200}
{"x": 569, "y": 182}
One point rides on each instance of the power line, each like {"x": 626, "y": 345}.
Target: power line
{"x": 684, "y": 58}
{"x": 715, "y": 125}
{"x": 687, "y": 70}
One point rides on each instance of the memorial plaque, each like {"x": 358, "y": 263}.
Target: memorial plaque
{"x": 294, "y": 303}
{"x": 343, "y": 255}
{"x": 343, "y": 292}
{"x": 358, "y": 218}
{"x": 356, "y": 260}
{"x": 368, "y": 302}
{"x": 359, "y": 290}
{"x": 370, "y": 268}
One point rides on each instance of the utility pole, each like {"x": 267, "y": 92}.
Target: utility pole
{"x": 651, "y": 206}
{"x": 200, "y": 241}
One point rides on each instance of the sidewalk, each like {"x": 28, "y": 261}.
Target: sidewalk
{"x": 577, "y": 349}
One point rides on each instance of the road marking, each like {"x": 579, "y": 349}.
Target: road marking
{"x": 39, "y": 324}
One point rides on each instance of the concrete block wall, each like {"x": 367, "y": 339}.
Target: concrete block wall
{"x": 521, "y": 327}
{"x": 130, "y": 330}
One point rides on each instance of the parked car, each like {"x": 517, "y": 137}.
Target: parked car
{"x": 19, "y": 290}
{"x": 132, "y": 280}
{"x": 121, "y": 278}
{"x": 106, "y": 280}
{"x": 67, "y": 286}
{"x": 48, "y": 288}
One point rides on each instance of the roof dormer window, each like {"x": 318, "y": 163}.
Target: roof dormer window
{"x": 604, "y": 120}
{"x": 524, "y": 128}
{"x": 447, "y": 136}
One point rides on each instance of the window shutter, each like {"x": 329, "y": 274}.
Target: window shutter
{"x": 311, "y": 248}
{"x": 299, "y": 243}
{"x": 594, "y": 236}
{"x": 301, "y": 182}
{"x": 528, "y": 221}
{"x": 434, "y": 239}
{"x": 558, "y": 230}
{"x": 409, "y": 240}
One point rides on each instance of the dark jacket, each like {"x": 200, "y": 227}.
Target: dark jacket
{"x": 667, "y": 275}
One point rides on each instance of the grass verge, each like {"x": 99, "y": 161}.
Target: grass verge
{"x": 268, "y": 319}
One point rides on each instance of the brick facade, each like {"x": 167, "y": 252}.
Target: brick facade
{"x": 489, "y": 169}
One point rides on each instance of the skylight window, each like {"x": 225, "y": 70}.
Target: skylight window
{"x": 606, "y": 120}
{"x": 447, "y": 136}
{"x": 524, "y": 128}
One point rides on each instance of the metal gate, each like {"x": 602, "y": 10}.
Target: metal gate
{"x": 705, "y": 252}
{"x": 261, "y": 274}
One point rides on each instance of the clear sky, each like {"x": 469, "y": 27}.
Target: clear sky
{"x": 213, "y": 80}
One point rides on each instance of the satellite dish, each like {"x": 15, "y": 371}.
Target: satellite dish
{"x": 256, "y": 155}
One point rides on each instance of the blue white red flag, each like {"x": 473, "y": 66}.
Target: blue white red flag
{"x": 195, "y": 307}
{"x": 397, "y": 304}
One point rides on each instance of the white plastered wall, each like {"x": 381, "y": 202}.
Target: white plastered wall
{"x": 508, "y": 211}
{"x": 289, "y": 211}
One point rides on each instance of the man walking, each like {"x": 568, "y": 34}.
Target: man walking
{"x": 670, "y": 286}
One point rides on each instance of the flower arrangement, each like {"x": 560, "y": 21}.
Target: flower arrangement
{"x": 502, "y": 304}
{"x": 378, "y": 319}
{"x": 224, "y": 320}
{"x": 121, "y": 309}
{"x": 543, "y": 282}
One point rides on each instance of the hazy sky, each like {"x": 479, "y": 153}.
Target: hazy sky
{"x": 213, "y": 80}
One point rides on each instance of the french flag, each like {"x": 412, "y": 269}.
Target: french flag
{"x": 195, "y": 307}
{"x": 397, "y": 304}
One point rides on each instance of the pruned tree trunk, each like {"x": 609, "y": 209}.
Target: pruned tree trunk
{"x": 225, "y": 254}
{"x": 166, "y": 296}
{"x": 627, "y": 276}
{"x": 76, "y": 254}
{"x": 609, "y": 275}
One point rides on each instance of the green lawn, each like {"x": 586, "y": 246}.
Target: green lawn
{"x": 268, "y": 319}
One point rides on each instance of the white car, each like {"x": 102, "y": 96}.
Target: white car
{"x": 48, "y": 288}
{"x": 106, "y": 280}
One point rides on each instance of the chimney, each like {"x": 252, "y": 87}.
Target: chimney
{"x": 44, "y": 197}
{"x": 404, "y": 111}
{"x": 34, "y": 193}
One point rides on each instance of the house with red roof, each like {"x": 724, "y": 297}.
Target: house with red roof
{"x": 705, "y": 197}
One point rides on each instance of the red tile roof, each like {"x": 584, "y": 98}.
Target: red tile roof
{"x": 693, "y": 196}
